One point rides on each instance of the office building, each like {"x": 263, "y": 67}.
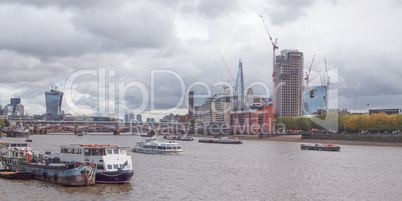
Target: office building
{"x": 215, "y": 110}
{"x": 289, "y": 83}
{"x": 139, "y": 118}
{"x": 238, "y": 100}
{"x": 314, "y": 100}
{"x": 54, "y": 99}
{"x": 252, "y": 121}
{"x": 15, "y": 101}
{"x": 387, "y": 111}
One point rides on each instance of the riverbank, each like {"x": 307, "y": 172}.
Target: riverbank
{"x": 298, "y": 138}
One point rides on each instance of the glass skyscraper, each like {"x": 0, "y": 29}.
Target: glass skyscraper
{"x": 54, "y": 99}
{"x": 314, "y": 100}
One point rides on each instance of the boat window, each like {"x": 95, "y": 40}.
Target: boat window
{"x": 109, "y": 151}
{"x": 178, "y": 147}
{"x": 24, "y": 145}
{"x": 168, "y": 147}
{"x": 159, "y": 147}
{"x": 115, "y": 151}
{"x": 115, "y": 166}
{"x": 100, "y": 167}
{"x": 64, "y": 150}
{"x": 13, "y": 145}
{"x": 96, "y": 152}
{"x": 79, "y": 151}
{"x": 73, "y": 151}
{"x": 86, "y": 151}
{"x": 123, "y": 151}
{"x": 109, "y": 167}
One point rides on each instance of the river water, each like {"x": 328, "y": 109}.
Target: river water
{"x": 256, "y": 170}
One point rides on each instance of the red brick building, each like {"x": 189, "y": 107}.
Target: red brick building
{"x": 252, "y": 121}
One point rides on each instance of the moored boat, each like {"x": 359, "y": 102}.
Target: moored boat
{"x": 186, "y": 138}
{"x": 58, "y": 173}
{"x": 320, "y": 147}
{"x": 222, "y": 140}
{"x": 80, "y": 134}
{"x": 153, "y": 146}
{"x": 20, "y": 157}
{"x": 16, "y": 175}
{"x": 113, "y": 165}
{"x": 20, "y": 131}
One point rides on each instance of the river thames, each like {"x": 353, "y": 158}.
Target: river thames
{"x": 255, "y": 170}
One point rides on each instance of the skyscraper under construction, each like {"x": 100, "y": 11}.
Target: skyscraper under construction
{"x": 289, "y": 83}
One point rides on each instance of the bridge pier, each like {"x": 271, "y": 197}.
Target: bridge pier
{"x": 76, "y": 130}
{"x": 117, "y": 131}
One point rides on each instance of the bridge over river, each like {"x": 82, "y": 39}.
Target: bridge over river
{"x": 116, "y": 128}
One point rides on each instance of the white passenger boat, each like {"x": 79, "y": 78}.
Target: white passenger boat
{"x": 15, "y": 150}
{"x": 153, "y": 146}
{"x": 113, "y": 165}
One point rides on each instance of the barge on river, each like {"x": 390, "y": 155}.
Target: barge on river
{"x": 320, "y": 147}
{"x": 222, "y": 140}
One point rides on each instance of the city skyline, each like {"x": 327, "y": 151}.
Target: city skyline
{"x": 183, "y": 37}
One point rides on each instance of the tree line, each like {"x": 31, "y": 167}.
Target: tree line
{"x": 345, "y": 123}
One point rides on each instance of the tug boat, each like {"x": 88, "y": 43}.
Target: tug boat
{"x": 112, "y": 164}
{"x": 153, "y": 146}
{"x": 320, "y": 147}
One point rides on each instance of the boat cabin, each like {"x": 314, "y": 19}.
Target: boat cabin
{"x": 103, "y": 157}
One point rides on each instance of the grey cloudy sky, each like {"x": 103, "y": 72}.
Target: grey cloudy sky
{"x": 46, "y": 41}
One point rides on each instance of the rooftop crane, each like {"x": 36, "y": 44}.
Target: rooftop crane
{"x": 308, "y": 74}
{"x": 274, "y": 46}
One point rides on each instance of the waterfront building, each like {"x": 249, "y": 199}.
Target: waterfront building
{"x": 289, "y": 83}
{"x": 314, "y": 100}
{"x": 252, "y": 121}
{"x": 215, "y": 110}
{"x": 168, "y": 118}
{"x": 54, "y": 99}
{"x": 387, "y": 111}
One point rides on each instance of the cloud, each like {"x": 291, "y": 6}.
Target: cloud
{"x": 283, "y": 11}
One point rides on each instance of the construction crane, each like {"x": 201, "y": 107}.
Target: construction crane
{"x": 327, "y": 84}
{"x": 274, "y": 47}
{"x": 225, "y": 87}
{"x": 308, "y": 74}
{"x": 227, "y": 67}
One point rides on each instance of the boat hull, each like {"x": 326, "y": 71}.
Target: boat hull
{"x": 16, "y": 175}
{"x": 220, "y": 141}
{"x": 17, "y": 134}
{"x": 73, "y": 176}
{"x": 157, "y": 151}
{"x": 114, "y": 177}
{"x": 319, "y": 148}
